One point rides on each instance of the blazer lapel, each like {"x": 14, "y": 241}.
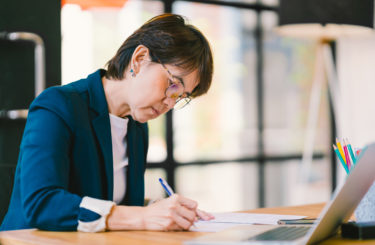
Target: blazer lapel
{"x": 135, "y": 176}
{"x": 101, "y": 125}
{"x": 103, "y": 134}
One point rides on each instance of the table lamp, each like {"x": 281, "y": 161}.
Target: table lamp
{"x": 324, "y": 21}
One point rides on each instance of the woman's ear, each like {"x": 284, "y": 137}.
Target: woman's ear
{"x": 141, "y": 54}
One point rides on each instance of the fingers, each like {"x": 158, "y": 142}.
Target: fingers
{"x": 190, "y": 214}
{"x": 182, "y": 223}
{"x": 190, "y": 204}
{"x": 174, "y": 213}
{"x": 204, "y": 215}
{"x": 185, "y": 211}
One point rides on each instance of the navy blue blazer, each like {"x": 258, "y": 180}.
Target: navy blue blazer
{"x": 66, "y": 154}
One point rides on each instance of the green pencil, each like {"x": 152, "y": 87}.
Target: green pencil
{"x": 340, "y": 158}
{"x": 350, "y": 150}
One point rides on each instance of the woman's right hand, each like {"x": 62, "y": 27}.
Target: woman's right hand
{"x": 173, "y": 213}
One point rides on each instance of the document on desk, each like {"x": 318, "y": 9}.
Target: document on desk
{"x": 224, "y": 221}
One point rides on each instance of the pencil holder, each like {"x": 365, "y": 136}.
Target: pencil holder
{"x": 365, "y": 211}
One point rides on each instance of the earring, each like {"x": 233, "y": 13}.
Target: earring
{"x": 132, "y": 72}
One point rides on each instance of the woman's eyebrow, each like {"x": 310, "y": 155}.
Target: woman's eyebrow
{"x": 180, "y": 79}
{"x": 177, "y": 77}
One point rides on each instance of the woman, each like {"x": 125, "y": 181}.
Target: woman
{"x": 83, "y": 153}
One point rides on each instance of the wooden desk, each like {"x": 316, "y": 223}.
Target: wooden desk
{"x": 32, "y": 236}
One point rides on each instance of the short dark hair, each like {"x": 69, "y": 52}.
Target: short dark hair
{"x": 170, "y": 41}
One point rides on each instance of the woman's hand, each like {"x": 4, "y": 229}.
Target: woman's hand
{"x": 174, "y": 213}
{"x": 204, "y": 215}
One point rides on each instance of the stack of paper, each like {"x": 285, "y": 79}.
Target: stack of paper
{"x": 224, "y": 221}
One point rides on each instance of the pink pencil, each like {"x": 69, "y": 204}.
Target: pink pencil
{"x": 347, "y": 156}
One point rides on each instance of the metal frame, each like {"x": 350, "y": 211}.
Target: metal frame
{"x": 39, "y": 67}
{"x": 170, "y": 164}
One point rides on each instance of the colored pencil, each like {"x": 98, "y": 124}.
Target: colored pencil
{"x": 354, "y": 160}
{"x": 340, "y": 158}
{"x": 339, "y": 147}
{"x": 357, "y": 152}
{"x": 347, "y": 157}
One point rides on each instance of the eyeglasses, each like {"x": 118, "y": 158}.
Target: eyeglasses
{"x": 176, "y": 90}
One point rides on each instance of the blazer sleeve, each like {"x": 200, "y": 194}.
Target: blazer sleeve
{"x": 45, "y": 164}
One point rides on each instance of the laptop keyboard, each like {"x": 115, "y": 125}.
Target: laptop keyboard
{"x": 284, "y": 233}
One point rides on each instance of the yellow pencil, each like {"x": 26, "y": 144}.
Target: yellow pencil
{"x": 339, "y": 147}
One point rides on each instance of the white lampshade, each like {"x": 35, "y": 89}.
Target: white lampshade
{"x": 325, "y": 19}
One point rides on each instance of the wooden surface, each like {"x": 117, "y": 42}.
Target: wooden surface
{"x": 32, "y": 236}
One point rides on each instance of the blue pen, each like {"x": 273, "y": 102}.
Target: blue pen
{"x": 166, "y": 187}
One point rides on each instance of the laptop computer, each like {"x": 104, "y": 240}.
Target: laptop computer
{"x": 338, "y": 210}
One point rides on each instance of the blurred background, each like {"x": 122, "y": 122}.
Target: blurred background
{"x": 240, "y": 146}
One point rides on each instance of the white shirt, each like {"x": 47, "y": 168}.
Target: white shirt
{"x": 119, "y": 128}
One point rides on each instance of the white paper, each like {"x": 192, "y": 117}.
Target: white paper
{"x": 224, "y": 221}
{"x": 249, "y": 218}
{"x": 206, "y": 226}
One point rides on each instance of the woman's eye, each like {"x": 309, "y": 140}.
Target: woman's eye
{"x": 174, "y": 96}
{"x": 172, "y": 81}
{"x": 174, "y": 86}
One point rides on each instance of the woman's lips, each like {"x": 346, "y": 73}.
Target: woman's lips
{"x": 156, "y": 112}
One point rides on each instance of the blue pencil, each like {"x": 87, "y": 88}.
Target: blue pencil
{"x": 351, "y": 151}
{"x": 341, "y": 160}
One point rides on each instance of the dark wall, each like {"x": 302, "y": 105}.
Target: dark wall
{"x": 41, "y": 17}
{"x": 17, "y": 58}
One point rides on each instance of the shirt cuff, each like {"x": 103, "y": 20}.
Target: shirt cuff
{"x": 99, "y": 210}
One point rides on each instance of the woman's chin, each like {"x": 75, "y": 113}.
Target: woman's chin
{"x": 142, "y": 121}
{"x": 143, "y": 118}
